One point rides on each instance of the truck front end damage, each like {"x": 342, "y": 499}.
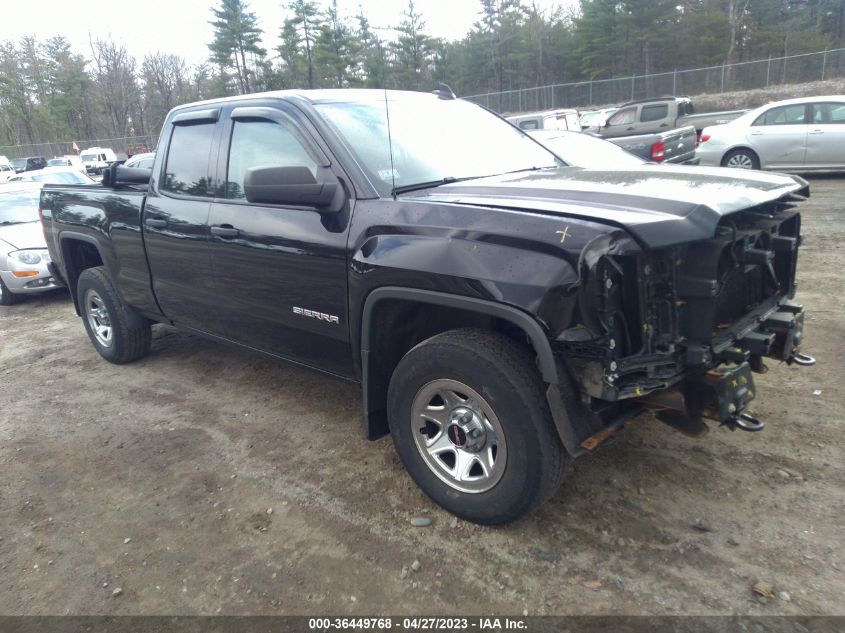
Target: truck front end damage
{"x": 680, "y": 330}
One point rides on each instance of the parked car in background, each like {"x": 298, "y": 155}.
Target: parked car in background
{"x": 28, "y": 164}
{"x": 802, "y": 134}
{"x": 593, "y": 120}
{"x": 144, "y": 160}
{"x": 671, "y": 146}
{"x": 67, "y": 161}
{"x": 23, "y": 251}
{"x": 53, "y": 176}
{"x": 97, "y": 159}
{"x": 134, "y": 150}
{"x": 658, "y": 115}
{"x": 584, "y": 150}
{"x": 566, "y": 119}
{"x": 6, "y": 169}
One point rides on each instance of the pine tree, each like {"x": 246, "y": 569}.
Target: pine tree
{"x": 412, "y": 51}
{"x": 306, "y": 23}
{"x": 236, "y": 33}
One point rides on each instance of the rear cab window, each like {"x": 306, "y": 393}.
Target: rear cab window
{"x": 654, "y": 112}
{"x": 186, "y": 167}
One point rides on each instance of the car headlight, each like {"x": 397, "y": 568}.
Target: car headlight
{"x": 31, "y": 256}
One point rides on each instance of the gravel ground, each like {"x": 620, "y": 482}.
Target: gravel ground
{"x": 205, "y": 480}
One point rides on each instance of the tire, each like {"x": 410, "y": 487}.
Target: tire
{"x": 105, "y": 319}
{"x": 7, "y": 298}
{"x": 741, "y": 159}
{"x": 478, "y": 396}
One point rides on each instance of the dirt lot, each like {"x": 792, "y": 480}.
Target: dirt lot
{"x": 159, "y": 478}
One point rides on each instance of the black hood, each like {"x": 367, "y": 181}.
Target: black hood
{"x": 659, "y": 204}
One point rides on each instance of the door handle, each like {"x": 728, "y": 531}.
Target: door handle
{"x": 755, "y": 133}
{"x": 816, "y": 131}
{"x": 155, "y": 223}
{"x": 629, "y": 129}
{"x": 225, "y": 230}
{"x": 664, "y": 125}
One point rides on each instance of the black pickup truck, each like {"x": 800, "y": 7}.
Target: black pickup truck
{"x": 502, "y": 311}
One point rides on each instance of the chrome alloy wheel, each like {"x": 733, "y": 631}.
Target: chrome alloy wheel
{"x": 458, "y": 436}
{"x": 740, "y": 161}
{"x": 98, "y": 318}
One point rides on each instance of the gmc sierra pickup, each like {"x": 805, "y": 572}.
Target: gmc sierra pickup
{"x": 503, "y": 312}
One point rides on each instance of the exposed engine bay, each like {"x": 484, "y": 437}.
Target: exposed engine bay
{"x": 681, "y": 329}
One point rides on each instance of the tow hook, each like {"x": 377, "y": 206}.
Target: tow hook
{"x": 745, "y": 422}
{"x": 801, "y": 359}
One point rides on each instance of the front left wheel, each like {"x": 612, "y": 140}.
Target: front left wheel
{"x": 470, "y": 421}
{"x": 105, "y": 319}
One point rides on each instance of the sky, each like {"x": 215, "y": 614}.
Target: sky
{"x": 181, "y": 26}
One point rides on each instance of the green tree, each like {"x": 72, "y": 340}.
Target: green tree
{"x": 236, "y": 34}
{"x": 299, "y": 33}
{"x": 412, "y": 51}
{"x": 336, "y": 51}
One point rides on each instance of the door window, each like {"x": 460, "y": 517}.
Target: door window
{"x": 531, "y": 124}
{"x": 829, "y": 113}
{"x": 262, "y": 144}
{"x": 623, "y": 117}
{"x": 783, "y": 115}
{"x": 186, "y": 171}
{"x": 654, "y": 112}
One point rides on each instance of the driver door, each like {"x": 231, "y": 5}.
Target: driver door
{"x": 280, "y": 271}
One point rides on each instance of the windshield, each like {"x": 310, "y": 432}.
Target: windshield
{"x": 89, "y": 157}
{"x": 432, "y": 139}
{"x": 583, "y": 150}
{"x": 19, "y": 163}
{"x": 19, "y": 206}
{"x": 58, "y": 162}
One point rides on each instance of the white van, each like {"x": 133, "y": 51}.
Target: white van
{"x": 6, "y": 169}
{"x": 562, "y": 119}
{"x": 97, "y": 159}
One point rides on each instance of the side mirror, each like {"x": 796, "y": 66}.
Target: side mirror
{"x": 291, "y": 185}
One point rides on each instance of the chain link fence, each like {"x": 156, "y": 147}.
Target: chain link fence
{"x": 121, "y": 146}
{"x": 762, "y": 73}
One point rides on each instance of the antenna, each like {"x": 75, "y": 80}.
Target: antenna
{"x": 390, "y": 146}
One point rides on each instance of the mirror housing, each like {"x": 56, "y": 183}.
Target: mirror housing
{"x": 292, "y": 185}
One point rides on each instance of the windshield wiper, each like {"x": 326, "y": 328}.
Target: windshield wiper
{"x": 431, "y": 183}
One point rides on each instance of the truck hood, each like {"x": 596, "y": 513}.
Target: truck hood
{"x": 24, "y": 235}
{"x": 659, "y": 205}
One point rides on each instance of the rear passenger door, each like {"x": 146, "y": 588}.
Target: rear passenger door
{"x": 826, "y": 135}
{"x": 175, "y": 223}
{"x": 281, "y": 271}
{"x": 779, "y": 136}
{"x": 654, "y": 118}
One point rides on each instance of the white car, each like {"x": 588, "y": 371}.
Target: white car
{"x": 53, "y": 176}
{"x": 804, "y": 134}
{"x": 23, "y": 250}
{"x": 144, "y": 160}
{"x": 7, "y": 170}
{"x": 67, "y": 161}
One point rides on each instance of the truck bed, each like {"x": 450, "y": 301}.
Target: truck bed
{"x": 678, "y": 144}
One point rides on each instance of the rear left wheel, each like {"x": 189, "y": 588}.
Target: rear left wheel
{"x": 105, "y": 319}
{"x": 741, "y": 159}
